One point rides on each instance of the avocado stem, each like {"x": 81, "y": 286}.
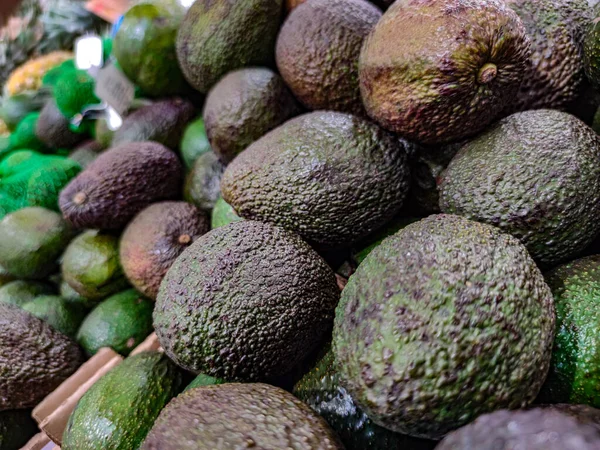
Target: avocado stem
{"x": 185, "y": 239}
{"x": 79, "y": 198}
{"x": 487, "y": 73}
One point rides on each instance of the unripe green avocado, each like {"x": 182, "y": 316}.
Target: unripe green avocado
{"x": 203, "y": 183}
{"x": 59, "y": 313}
{"x": 20, "y": 292}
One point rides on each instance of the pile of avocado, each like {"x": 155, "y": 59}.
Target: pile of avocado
{"x": 352, "y": 224}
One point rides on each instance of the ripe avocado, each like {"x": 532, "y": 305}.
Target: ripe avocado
{"x": 59, "y": 313}
{"x": 246, "y": 301}
{"x": 20, "y": 292}
{"x": 439, "y": 71}
{"x": 194, "y": 142}
{"x": 535, "y": 429}
{"x": 318, "y": 49}
{"x": 321, "y": 390}
{"x": 120, "y": 183}
{"x": 331, "y": 177}
{"x": 120, "y": 322}
{"x": 228, "y": 416}
{"x": 218, "y": 36}
{"x": 203, "y": 183}
{"x": 91, "y": 265}
{"x": 31, "y": 241}
{"x": 155, "y": 238}
{"x": 534, "y": 175}
{"x": 52, "y": 128}
{"x": 117, "y": 412}
{"x": 144, "y": 46}
{"x": 243, "y": 107}
{"x": 575, "y": 367}
{"x": 34, "y": 358}
{"x": 445, "y": 320}
{"x": 162, "y": 122}
{"x": 16, "y": 428}
{"x": 556, "y": 29}
{"x": 223, "y": 214}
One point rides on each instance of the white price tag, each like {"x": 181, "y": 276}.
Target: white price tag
{"x": 115, "y": 89}
{"x": 89, "y": 52}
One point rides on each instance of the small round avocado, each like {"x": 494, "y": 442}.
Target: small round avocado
{"x": 155, "y": 238}
{"x": 91, "y": 265}
{"x": 61, "y": 314}
{"x": 228, "y": 416}
{"x": 203, "y": 183}
{"x": 31, "y": 241}
{"x": 223, "y": 214}
{"x": 194, "y": 142}
{"x": 243, "y": 107}
{"x": 444, "y": 321}
{"x": 21, "y": 292}
{"x": 535, "y": 429}
{"x": 317, "y": 52}
{"x": 120, "y": 322}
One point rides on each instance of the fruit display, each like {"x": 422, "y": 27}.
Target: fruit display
{"x": 307, "y": 224}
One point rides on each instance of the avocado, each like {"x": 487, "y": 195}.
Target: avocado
{"x": 31, "y": 241}
{"x": 582, "y": 413}
{"x": 228, "y": 416}
{"x": 53, "y": 130}
{"x": 120, "y": 322}
{"x": 90, "y": 265}
{"x": 34, "y": 358}
{"x": 575, "y": 366}
{"x": 16, "y": 428}
{"x": 437, "y": 72}
{"x": 103, "y": 134}
{"x": 218, "y": 36}
{"x": 194, "y": 142}
{"x": 203, "y": 183}
{"x": 318, "y": 49}
{"x": 203, "y": 380}
{"x": 155, "y": 238}
{"x": 321, "y": 390}
{"x": 331, "y": 177}
{"x": 73, "y": 91}
{"x": 117, "y": 412}
{"x": 120, "y": 183}
{"x": 534, "y": 175}
{"x": 86, "y": 153}
{"x": 223, "y": 214}
{"x": 556, "y": 29}
{"x": 243, "y": 107}
{"x": 21, "y": 292}
{"x": 444, "y": 321}
{"x": 59, "y": 313}
{"x": 246, "y": 301}
{"x": 535, "y": 429}
{"x": 144, "y": 46}
{"x": 24, "y": 136}
{"x": 163, "y": 122}
{"x": 591, "y": 50}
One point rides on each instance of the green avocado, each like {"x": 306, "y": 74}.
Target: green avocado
{"x": 425, "y": 77}
{"x": 117, "y": 412}
{"x": 16, "y": 428}
{"x": 120, "y": 322}
{"x": 203, "y": 380}
{"x": 61, "y": 314}
{"x": 90, "y": 265}
{"x": 237, "y": 416}
{"x": 246, "y": 301}
{"x": 534, "y": 175}
{"x": 21, "y": 292}
{"x": 218, "y": 36}
{"x": 31, "y": 241}
{"x": 25, "y": 137}
{"x": 52, "y": 128}
{"x": 194, "y": 142}
{"x": 223, "y": 214}
{"x": 444, "y": 321}
{"x": 331, "y": 177}
{"x": 203, "y": 183}
{"x": 34, "y": 358}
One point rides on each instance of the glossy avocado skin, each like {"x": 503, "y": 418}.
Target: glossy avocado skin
{"x": 117, "y": 412}
{"x": 447, "y": 299}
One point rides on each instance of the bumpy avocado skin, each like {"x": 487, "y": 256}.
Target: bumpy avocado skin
{"x": 61, "y": 314}
{"x": 535, "y": 429}
{"x": 228, "y": 416}
{"x": 34, "y": 358}
{"x": 162, "y": 122}
{"x": 219, "y": 36}
{"x": 117, "y": 412}
{"x": 331, "y": 177}
{"x": 321, "y": 390}
{"x": 591, "y": 50}
{"x": 203, "y": 183}
{"x": 52, "y": 128}
{"x": 246, "y": 301}
{"x": 534, "y": 175}
{"x": 120, "y": 322}
{"x": 243, "y": 107}
{"x": 556, "y": 29}
{"x": 20, "y": 292}
{"x": 120, "y": 183}
{"x": 436, "y": 72}
{"x": 575, "y": 367}
{"x": 446, "y": 320}
{"x": 223, "y": 214}
{"x": 155, "y": 238}
{"x": 317, "y": 52}
{"x": 16, "y": 428}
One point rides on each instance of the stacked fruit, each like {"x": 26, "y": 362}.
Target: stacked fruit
{"x": 436, "y": 163}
